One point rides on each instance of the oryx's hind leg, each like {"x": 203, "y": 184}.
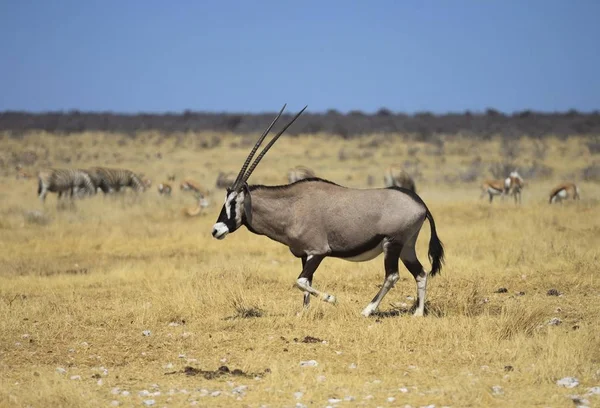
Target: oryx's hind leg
{"x": 304, "y": 281}
{"x": 410, "y": 260}
{"x": 391, "y": 251}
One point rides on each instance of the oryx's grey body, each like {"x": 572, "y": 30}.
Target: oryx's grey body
{"x": 316, "y": 218}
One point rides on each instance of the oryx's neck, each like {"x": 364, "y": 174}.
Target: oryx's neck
{"x": 272, "y": 212}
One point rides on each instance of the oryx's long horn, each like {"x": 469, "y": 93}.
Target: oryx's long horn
{"x": 240, "y": 175}
{"x": 268, "y": 146}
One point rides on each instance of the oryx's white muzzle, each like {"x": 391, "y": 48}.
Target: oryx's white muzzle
{"x": 220, "y": 230}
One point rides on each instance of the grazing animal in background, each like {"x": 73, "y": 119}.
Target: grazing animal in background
{"x": 111, "y": 180}
{"x": 146, "y": 182}
{"x": 300, "y": 173}
{"x": 513, "y": 185}
{"x": 197, "y": 210}
{"x": 68, "y": 182}
{"x": 191, "y": 185}
{"x": 224, "y": 180}
{"x": 563, "y": 192}
{"x": 316, "y": 218}
{"x": 493, "y": 188}
{"x": 397, "y": 177}
{"x": 164, "y": 189}
{"x": 22, "y": 174}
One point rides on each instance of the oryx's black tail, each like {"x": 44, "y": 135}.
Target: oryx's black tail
{"x": 436, "y": 249}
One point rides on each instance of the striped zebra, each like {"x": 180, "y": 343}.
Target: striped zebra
{"x": 68, "y": 182}
{"x": 113, "y": 180}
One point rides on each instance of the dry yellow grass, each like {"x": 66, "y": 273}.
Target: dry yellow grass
{"x": 79, "y": 288}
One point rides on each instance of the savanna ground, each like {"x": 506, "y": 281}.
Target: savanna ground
{"x": 110, "y": 302}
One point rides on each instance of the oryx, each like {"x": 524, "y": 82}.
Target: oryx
{"x": 316, "y": 218}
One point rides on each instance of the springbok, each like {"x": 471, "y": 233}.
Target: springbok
{"x": 513, "y": 185}
{"x": 397, "y": 176}
{"x": 564, "y": 191}
{"x": 300, "y": 173}
{"x": 493, "y": 188}
{"x": 165, "y": 189}
{"x": 316, "y": 218}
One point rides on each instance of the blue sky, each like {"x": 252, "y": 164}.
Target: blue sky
{"x": 252, "y": 56}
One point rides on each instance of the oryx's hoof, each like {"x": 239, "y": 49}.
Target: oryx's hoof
{"x": 418, "y": 313}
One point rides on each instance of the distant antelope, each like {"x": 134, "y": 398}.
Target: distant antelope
{"x": 68, "y": 182}
{"x": 191, "y": 185}
{"x": 300, "y": 173}
{"x": 493, "y": 188}
{"x": 316, "y": 218}
{"x": 111, "y": 180}
{"x": 164, "y": 189}
{"x": 513, "y": 185}
{"x": 197, "y": 210}
{"x": 397, "y": 177}
{"x": 22, "y": 174}
{"x": 564, "y": 191}
{"x": 224, "y": 180}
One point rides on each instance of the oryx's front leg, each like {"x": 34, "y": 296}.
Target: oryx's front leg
{"x": 410, "y": 260}
{"x": 304, "y": 281}
{"x": 391, "y": 252}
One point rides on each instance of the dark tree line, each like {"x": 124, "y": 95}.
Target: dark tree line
{"x": 355, "y": 123}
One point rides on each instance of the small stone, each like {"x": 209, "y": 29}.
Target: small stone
{"x": 338, "y": 353}
{"x": 334, "y": 400}
{"x": 391, "y": 399}
{"x": 497, "y": 390}
{"x": 149, "y": 402}
{"x": 368, "y": 397}
{"x": 593, "y": 391}
{"x": 125, "y": 393}
{"x": 240, "y": 389}
{"x": 84, "y": 344}
{"x": 61, "y": 370}
{"x": 75, "y": 377}
{"x": 100, "y": 382}
{"x": 185, "y": 335}
{"x": 114, "y": 403}
{"x": 376, "y": 381}
{"x": 144, "y": 393}
{"x": 71, "y": 350}
{"x": 403, "y": 390}
{"x": 155, "y": 394}
{"x": 147, "y": 333}
{"x": 568, "y": 382}
{"x": 215, "y": 393}
{"x": 168, "y": 366}
{"x": 309, "y": 363}
{"x": 223, "y": 360}
{"x": 300, "y": 405}
{"x": 501, "y": 290}
{"x": 555, "y": 321}
{"x": 521, "y": 293}
{"x": 508, "y": 368}
{"x": 181, "y": 355}
{"x": 352, "y": 366}
{"x": 173, "y": 324}
{"x": 115, "y": 391}
{"x": 25, "y": 336}
{"x": 298, "y": 395}
{"x": 553, "y": 292}
{"x": 18, "y": 343}
{"x": 349, "y": 398}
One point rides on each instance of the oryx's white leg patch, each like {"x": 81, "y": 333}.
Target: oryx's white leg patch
{"x": 389, "y": 283}
{"x": 421, "y": 293}
{"x": 304, "y": 285}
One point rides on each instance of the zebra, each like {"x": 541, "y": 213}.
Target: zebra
{"x": 299, "y": 173}
{"x": 69, "y": 182}
{"x": 397, "y": 177}
{"x": 316, "y": 218}
{"x": 224, "y": 180}
{"x": 111, "y": 180}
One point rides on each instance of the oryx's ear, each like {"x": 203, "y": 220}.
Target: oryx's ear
{"x": 247, "y": 204}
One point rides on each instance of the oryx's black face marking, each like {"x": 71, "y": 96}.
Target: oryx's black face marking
{"x": 231, "y": 214}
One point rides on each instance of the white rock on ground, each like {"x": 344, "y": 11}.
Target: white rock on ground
{"x": 298, "y": 394}
{"x": 61, "y": 370}
{"x": 334, "y": 400}
{"x": 593, "y": 391}
{"x": 75, "y": 377}
{"x": 149, "y": 402}
{"x": 568, "y": 382}
{"x": 497, "y": 390}
{"x": 146, "y": 333}
{"x": 144, "y": 393}
{"x": 309, "y": 363}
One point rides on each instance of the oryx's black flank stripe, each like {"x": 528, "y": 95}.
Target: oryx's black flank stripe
{"x": 359, "y": 250}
